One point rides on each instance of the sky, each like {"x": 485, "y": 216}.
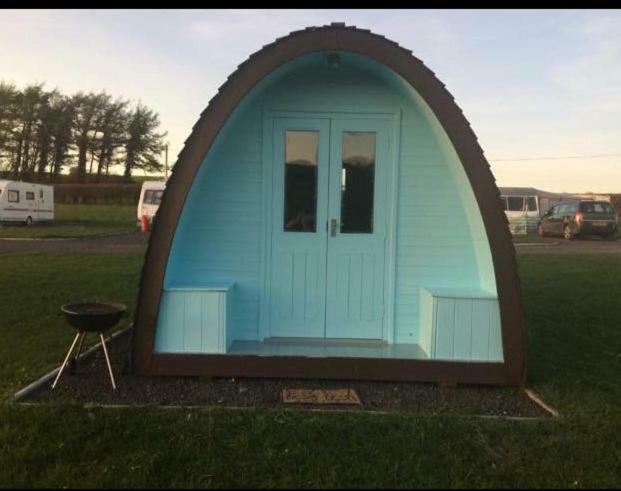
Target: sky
{"x": 541, "y": 89}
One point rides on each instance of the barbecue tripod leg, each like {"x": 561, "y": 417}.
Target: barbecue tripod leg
{"x": 103, "y": 345}
{"x": 74, "y": 361}
{"x": 66, "y": 359}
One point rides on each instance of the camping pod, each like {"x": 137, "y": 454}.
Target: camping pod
{"x": 331, "y": 215}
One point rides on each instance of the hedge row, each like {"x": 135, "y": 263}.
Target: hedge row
{"x": 103, "y": 193}
{"x": 128, "y": 193}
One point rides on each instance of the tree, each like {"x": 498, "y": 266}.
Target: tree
{"x": 143, "y": 145}
{"x": 85, "y": 118}
{"x": 112, "y": 124}
{"x": 28, "y": 105}
{"x": 63, "y": 114}
{"x": 44, "y": 131}
{"x": 8, "y": 122}
{"x": 35, "y": 129}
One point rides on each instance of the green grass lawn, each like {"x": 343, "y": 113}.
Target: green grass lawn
{"x": 78, "y": 221}
{"x": 574, "y": 360}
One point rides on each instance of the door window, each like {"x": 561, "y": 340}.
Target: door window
{"x": 531, "y": 203}
{"x": 152, "y": 197}
{"x": 301, "y": 155}
{"x": 515, "y": 203}
{"x": 157, "y": 197}
{"x": 13, "y": 196}
{"x": 29, "y": 195}
{"x": 596, "y": 207}
{"x": 357, "y": 182}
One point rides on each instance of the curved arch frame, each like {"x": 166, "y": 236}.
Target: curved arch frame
{"x": 463, "y": 139}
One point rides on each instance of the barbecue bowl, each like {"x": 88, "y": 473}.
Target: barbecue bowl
{"x": 93, "y": 315}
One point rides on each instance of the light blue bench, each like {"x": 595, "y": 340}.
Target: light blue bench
{"x": 194, "y": 319}
{"x": 460, "y": 324}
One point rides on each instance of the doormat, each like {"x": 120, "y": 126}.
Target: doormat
{"x": 320, "y": 396}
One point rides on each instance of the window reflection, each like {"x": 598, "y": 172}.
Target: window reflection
{"x": 357, "y": 182}
{"x": 301, "y": 150}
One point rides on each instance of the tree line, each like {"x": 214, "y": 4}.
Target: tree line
{"x": 43, "y": 132}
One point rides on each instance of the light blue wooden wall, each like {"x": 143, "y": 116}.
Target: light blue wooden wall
{"x": 440, "y": 236}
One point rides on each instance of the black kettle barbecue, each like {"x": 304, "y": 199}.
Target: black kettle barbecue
{"x": 90, "y": 316}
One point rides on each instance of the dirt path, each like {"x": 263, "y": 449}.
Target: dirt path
{"x": 132, "y": 242}
{"x": 593, "y": 245}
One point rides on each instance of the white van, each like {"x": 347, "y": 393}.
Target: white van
{"x": 522, "y": 212}
{"x": 25, "y": 202}
{"x": 521, "y": 206}
{"x": 150, "y": 199}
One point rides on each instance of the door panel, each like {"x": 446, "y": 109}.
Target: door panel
{"x": 299, "y": 208}
{"x": 329, "y": 227}
{"x": 14, "y": 204}
{"x": 359, "y": 157}
{"x": 556, "y": 220}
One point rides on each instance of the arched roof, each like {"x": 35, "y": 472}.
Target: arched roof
{"x": 260, "y": 64}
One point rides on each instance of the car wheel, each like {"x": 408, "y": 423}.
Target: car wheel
{"x": 567, "y": 233}
{"x": 28, "y": 221}
{"x": 540, "y": 232}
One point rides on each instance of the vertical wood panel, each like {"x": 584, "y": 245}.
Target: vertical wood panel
{"x": 463, "y": 328}
{"x": 212, "y": 322}
{"x": 445, "y": 328}
{"x": 175, "y": 321}
{"x": 284, "y": 285}
{"x": 162, "y": 335}
{"x": 355, "y": 287}
{"x": 495, "y": 337}
{"x": 224, "y": 334}
{"x": 480, "y": 331}
{"x": 369, "y": 279}
{"x": 298, "y": 288}
{"x": 311, "y": 286}
{"x": 193, "y": 322}
{"x": 342, "y": 290}
{"x": 425, "y": 340}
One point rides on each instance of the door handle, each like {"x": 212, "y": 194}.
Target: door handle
{"x": 333, "y": 226}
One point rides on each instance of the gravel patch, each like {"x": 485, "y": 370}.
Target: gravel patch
{"x": 91, "y": 385}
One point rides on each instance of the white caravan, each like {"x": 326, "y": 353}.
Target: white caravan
{"x": 25, "y": 202}
{"x": 522, "y": 212}
{"x": 521, "y": 206}
{"x": 150, "y": 199}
